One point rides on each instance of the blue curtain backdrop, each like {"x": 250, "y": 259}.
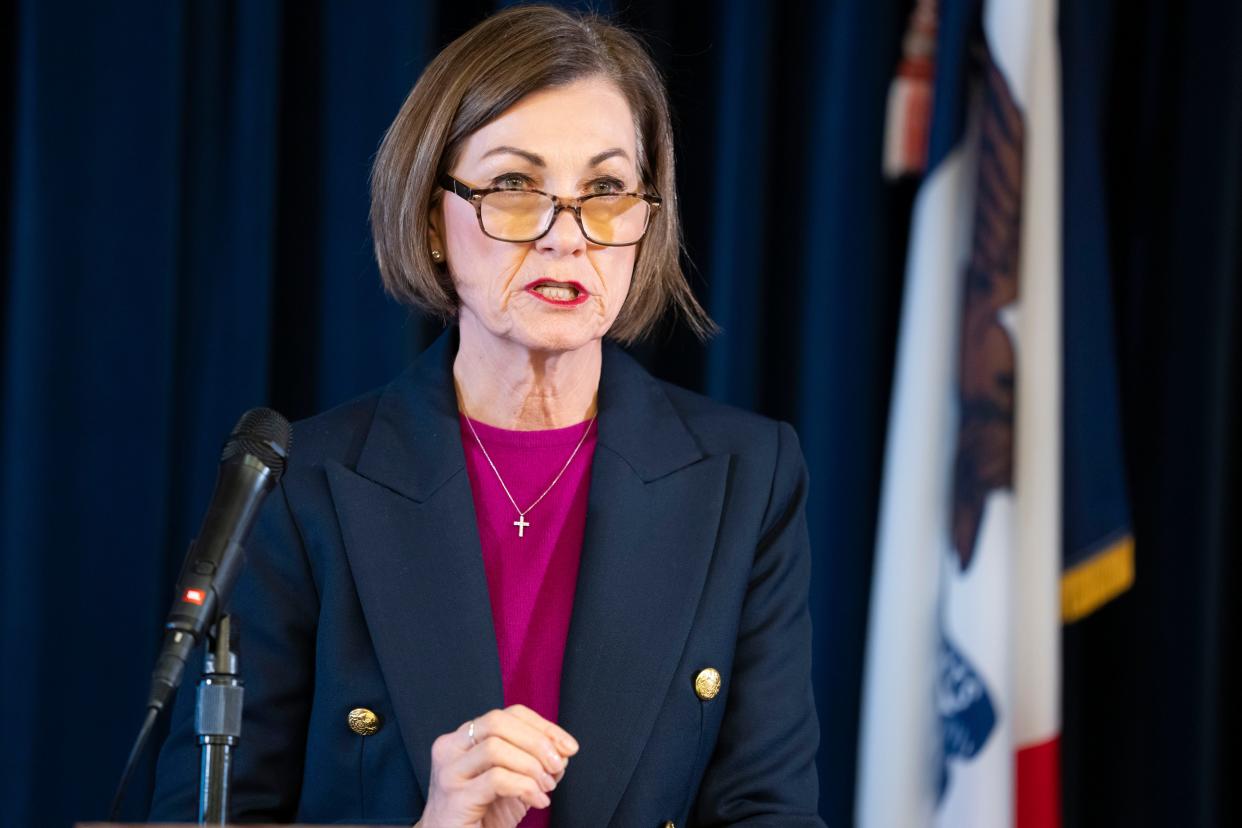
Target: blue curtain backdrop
{"x": 183, "y": 236}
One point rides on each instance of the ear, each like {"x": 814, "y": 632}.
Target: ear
{"x": 435, "y": 241}
{"x": 435, "y": 221}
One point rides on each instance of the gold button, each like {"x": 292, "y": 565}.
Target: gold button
{"x": 707, "y": 683}
{"x": 668, "y": 824}
{"x": 363, "y": 722}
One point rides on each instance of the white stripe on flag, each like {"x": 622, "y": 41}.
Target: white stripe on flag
{"x": 900, "y": 734}
{"x": 1037, "y": 482}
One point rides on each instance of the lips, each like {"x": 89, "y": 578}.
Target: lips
{"x": 562, "y": 294}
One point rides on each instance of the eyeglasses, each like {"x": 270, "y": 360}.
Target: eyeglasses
{"x": 612, "y": 219}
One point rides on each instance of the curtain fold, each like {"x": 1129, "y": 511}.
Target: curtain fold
{"x": 1148, "y": 697}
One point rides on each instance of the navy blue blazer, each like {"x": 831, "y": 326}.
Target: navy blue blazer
{"x": 364, "y": 587}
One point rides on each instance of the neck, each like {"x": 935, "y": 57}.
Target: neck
{"x": 508, "y": 385}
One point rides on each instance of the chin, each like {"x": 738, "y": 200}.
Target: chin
{"x": 558, "y": 338}
{"x": 558, "y": 344}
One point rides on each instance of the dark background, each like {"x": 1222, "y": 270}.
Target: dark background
{"x": 183, "y": 236}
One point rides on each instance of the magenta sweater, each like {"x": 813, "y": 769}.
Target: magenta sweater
{"x": 530, "y": 579}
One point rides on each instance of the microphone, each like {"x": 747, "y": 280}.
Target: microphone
{"x": 251, "y": 464}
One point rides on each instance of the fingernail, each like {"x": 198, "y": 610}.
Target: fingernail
{"x": 568, "y": 744}
{"x": 556, "y": 759}
{"x": 547, "y": 782}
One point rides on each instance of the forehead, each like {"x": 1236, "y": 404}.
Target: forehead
{"x": 564, "y": 124}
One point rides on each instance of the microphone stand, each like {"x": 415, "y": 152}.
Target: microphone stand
{"x": 217, "y": 719}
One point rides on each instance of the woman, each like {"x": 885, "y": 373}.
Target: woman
{"x": 527, "y": 582}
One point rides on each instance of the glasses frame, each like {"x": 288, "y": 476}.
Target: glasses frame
{"x": 574, "y": 205}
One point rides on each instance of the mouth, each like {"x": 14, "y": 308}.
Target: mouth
{"x": 564, "y": 294}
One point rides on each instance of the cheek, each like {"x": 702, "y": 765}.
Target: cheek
{"x": 464, "y": 238}
{"x": 480, "y": 264}
{"x": 616, "y": 271}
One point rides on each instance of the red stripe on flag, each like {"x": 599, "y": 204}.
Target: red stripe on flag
{"x": 1038, "y": 799}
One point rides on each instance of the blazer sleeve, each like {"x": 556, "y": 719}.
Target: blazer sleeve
{"x": 277, "y": 607}
{"x": 763, "y": 769}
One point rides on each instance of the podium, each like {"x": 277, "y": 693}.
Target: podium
{"x": 195, "y": 825}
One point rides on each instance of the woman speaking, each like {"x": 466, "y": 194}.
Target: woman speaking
{"x": 526, "y": 582}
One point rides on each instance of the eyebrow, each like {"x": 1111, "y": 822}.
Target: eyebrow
{"x": 529, "y": 156}
{"x": 538, "y": 161}
{"x": 615, "y": 152}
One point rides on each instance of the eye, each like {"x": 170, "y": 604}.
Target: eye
{"x": 604, "y": 185}
{"x": 512, "y": 181}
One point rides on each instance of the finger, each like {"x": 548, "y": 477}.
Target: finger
{"x": 495, "y": 752}
{"x": 512, "y": 810}
{"x": 496, "y": 783}
{"x": 567, "y": 744}
{"x": 514, "y": 730}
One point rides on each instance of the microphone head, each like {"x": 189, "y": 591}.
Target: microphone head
{"x": 263, "y": 433}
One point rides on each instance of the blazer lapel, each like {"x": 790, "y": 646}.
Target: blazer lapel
{"x": 410, "y": 533}
{"x": 408, "y": 524}
{"x": 653, "y": 513}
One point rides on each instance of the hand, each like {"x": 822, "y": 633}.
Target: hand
{"x": 516, "y": 759}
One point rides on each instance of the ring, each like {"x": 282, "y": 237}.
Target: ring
{"x": 470, "y": 733}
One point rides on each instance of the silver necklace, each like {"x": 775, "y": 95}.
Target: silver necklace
{"x": 521, "y": 523}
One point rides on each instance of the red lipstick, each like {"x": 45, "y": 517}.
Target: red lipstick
{"x": 577, "y": 300}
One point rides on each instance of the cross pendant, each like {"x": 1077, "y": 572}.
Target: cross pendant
{"x": 521, "y": 524}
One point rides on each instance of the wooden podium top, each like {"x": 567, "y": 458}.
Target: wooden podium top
{"x": 195, "y": 825}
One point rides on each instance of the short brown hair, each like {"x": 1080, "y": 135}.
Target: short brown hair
{"x": 472, "y": 82}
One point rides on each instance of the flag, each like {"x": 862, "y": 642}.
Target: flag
{"x": 961, "y": 707}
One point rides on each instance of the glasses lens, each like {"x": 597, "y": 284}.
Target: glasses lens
{"x": 615, "y": 219}
{"x": 515, "y": 216}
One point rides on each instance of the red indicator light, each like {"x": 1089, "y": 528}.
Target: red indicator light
{"x": 194, "y": 596}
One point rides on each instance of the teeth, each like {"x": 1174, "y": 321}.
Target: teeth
{"x": 560, "y": 294}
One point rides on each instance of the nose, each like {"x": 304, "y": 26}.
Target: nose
{"x": 564, "y": 238}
